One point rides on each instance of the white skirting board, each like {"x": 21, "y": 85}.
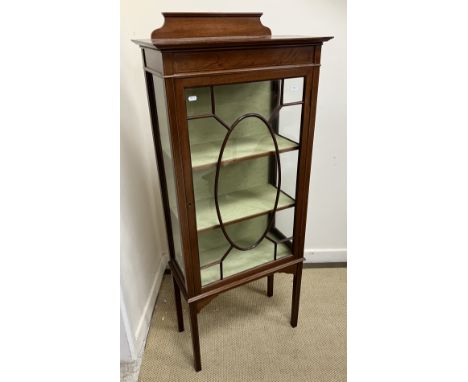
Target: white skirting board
{"x": 130, "y": 364}
{"x": 136, "y": 340}
{"x": 333, "y": 255}
{"x": 143, "y": 325}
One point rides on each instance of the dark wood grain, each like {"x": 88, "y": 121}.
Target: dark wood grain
{"x": 186, "y": 174}
{"x": 296, "y": 294}
{"x": 284, "y": 264}
{"x": 340, "y": 264}
{"x": 242, "y": 58}
{"x": 291, "y": 269}
{"x": 180, "y": 317}
{"x": 191, "y": 279}
{"x": 179, "y": 277}
{"x": 195, "y": 336}
{"x": 178, "y": 44}
{"x": 153, "y": 60}
{"x": 270, "y": 281}
{"x": 189, "y": 25}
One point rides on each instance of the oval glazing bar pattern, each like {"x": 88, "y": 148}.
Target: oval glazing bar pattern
{"x": 278, "y": 187}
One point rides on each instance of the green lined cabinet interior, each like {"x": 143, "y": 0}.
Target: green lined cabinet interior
{"x": 232, "y": 111}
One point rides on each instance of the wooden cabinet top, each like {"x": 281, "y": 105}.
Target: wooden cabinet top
{"x": 183, "y": 31}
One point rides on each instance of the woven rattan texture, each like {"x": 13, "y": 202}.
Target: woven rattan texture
{"x": 246, "y": 336}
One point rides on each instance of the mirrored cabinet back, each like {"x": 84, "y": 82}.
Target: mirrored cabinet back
{"x": 232, "y": 112}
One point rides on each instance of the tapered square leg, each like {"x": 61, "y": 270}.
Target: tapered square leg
{"x": 195, "y": 336}
{"x": 180, "y": 316}
{"x": 270, "y": 280}
{"x": 296, "y": 293}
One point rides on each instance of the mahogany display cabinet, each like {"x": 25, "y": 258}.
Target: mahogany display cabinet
{"x": 233, "y": 111}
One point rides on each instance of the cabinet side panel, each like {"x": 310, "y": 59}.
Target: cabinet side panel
{"x": 166, "y": 158}
{"x": 153, "y": 60}
{"x": 159, "y": 157}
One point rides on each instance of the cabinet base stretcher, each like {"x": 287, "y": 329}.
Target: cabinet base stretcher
{"x": 196, "y": 306}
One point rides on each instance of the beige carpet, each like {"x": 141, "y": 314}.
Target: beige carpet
{"x": 246, "y": 336}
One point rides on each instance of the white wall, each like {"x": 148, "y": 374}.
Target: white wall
{"x": 144, "y": 250}
{"x": 142, "y": 226}
{"x": 326, "y": 220}
{"x": 127, "y": 353}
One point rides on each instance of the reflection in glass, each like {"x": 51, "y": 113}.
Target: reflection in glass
{"x": 293, "y": 89}
{"x": 163, "y": 123}
{"x": 289, "y": 118}
{"x": 198, "y": 101}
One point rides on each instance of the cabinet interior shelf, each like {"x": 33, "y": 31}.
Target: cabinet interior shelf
{"x": 238, "y": 261}
{"x": 206, "y": 154}
{"x": 240, "y": 205}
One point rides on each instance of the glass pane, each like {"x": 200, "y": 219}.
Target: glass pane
{"x": 293, "y": 90}
{"x": 233, "y": 101}
{"x": 214, "y": 246}
{"x": 216, "y": 256}
{"x": 234, "y": 156}
{"x": 206, "y": 136}
{"x": 290, "y": 122}
{"x": 198, "y": 101}
{"x": 284, "y": 223}
{"x": 163, "y": 123}
{"x": 289, "y": 162}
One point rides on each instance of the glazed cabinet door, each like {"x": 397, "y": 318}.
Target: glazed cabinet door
{"x": 244, "y": 140}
